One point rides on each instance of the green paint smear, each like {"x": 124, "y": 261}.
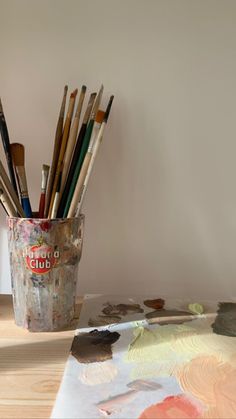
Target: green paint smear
{"x": 196, "y": 308}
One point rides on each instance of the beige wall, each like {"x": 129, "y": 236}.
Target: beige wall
{"x": 161, "y": 207}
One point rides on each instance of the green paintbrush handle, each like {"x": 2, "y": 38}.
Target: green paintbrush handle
{"x": 83, "y": 152}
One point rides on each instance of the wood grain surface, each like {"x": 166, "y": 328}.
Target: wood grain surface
{"x": 31, "y": 366}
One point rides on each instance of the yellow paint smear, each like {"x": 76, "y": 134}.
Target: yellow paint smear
{"x": 156, "y": 344}
{"x": 162, "y": 350}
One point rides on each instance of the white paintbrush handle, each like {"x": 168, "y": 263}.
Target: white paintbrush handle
{"x": 55, "y": 205}
{"x": 89, "y": 170}
{"x": 21, "y": 175}
{"x": 6, "y": 201}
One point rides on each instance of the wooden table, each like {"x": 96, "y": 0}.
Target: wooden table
{"x": 31, "y": 367}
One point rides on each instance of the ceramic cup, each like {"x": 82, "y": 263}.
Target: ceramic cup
{"x": 44, "y": 259}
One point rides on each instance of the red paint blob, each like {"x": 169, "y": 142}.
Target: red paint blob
{"x": 45, "y": 225}
{"x": 179, "y": 407}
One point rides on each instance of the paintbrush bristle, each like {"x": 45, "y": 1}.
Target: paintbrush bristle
{"x": 1, "y": 108}
{"x": 46, "y": 168}
{"x": 83, "y": 89}
{"x": 100, "y": 116}
{"x": 108, "y": 109}
{"x": 74, "y": 93}
{"x": 18, "y": 154}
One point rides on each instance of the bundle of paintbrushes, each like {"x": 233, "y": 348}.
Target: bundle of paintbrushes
{"x": 76, "y": 145}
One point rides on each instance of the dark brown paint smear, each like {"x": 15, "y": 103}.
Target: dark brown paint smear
{"x": 94, "y": 346}
{"x": 157, "y": 304}
{"x": 121, "y": 309}
{"x": 174, "y": 316}
{"x": 225, "y": 321}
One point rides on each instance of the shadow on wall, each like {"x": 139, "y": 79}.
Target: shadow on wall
{"x": 5, "y": 280}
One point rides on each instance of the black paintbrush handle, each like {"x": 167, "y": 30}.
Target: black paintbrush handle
{"x": 6, "y": 145}
{"x": 71, "y": 170}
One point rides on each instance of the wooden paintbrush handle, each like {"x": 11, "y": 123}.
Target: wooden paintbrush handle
{"x": 62, "y": 151}
{"x": 69, "y": 150}
{"x": 11, "y": 190}
{"x": 56, "y": 150}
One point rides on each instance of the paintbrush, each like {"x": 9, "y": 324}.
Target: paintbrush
{"x": 76, "y": 154}
{"x": 85, "y": 165}
{"x": 45, "y": 172}
{"x": 91, "y": 156}
{"x": 72, "y": 137}
{"x": 63, "y": 147}
{"x": 11, "y": 190}
{"x": 56, "y": 150}
{"x": 6, "y": 145}
{"x": 83, "y": 152}
{"x": 18, "y": 156}
{"x": 6, "y": 202}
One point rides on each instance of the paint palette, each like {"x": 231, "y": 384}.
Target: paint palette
{"x": 178, "y": 362}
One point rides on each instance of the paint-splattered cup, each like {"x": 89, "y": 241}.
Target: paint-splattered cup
{"x": 44, "y": 259}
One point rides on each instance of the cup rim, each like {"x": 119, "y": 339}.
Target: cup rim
{"x": 81, "y": 216}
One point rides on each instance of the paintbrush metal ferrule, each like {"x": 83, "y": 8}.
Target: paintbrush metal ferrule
{"x": 45, "y": 173}
{"x": 89, "y": 108}
{"x": 80, "y": 102}
{"x": 97, "y": 102}
{"x": 96, "y": 127}
{"x": 20, "y": 170}
{"x": 71, "y": 104}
